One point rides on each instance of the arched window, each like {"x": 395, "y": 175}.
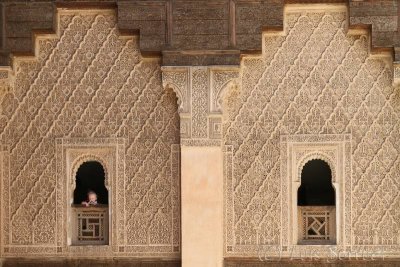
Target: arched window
{"x": 316, "y": 185}
{"x": 90, "y": 177}
{"x": 316, "y": 202}
{"x": 90, "y": 206}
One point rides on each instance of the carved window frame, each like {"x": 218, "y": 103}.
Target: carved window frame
{"x": 87, "y": 156}
{"x": 296, "y": 151}
{"x": 332, "y": 210}
{"x": 71, "y": 153}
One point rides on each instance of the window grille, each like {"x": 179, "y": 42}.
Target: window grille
{"x": 317, "y": 224}
{"x": 91, "y": 225}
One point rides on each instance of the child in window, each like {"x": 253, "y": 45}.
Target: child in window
{"x": 91, "y": 199}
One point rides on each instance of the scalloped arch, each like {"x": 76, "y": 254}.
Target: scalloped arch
{"x": 314, "y": 156}
{"x": 86, "y": 158}
{"x": 179, "y": 98}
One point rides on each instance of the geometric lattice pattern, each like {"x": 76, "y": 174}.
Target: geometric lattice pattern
{"x": 88, "y": 81}
{"x": 315, "y": 225}
{"x": 315, "y": 78}
{"x": 91, "y": 229}
{"x": 91, "y": 225}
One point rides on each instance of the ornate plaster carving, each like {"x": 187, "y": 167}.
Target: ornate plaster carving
{"x": 5, "y": 81}
{"x": 296, "y": 151}
{"x": 178, "y": 79}
{"x": 200, "y": 92}
{"x": 313, "y": 79}
{"x": 316, "y": 154}
{"x": 70, "y": 154}
{"x": 396, "y": 73}
{"x": 89, "y": 155}
{"x": 89, "y": 87}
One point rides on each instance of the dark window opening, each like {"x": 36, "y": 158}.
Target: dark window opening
{"x": 316, "y": 185}
{"x": 90, "y": 177}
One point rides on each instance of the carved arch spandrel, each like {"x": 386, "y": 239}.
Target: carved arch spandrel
{"x": 200, "y": 92}
{"x": 223, "y": 81}
{"x": 177, "y": 79}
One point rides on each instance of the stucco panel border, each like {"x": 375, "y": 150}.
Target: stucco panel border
{"x": 70, "y": 154}
{"x": 296, "y": 150}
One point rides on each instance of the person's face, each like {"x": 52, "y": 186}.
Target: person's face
{"x": 92, "y": 197}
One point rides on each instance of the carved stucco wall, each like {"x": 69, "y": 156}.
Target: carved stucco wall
{"x": 315, "y": 78}
{"x": 200, "y": 92}
{"x": 88, "y": 82}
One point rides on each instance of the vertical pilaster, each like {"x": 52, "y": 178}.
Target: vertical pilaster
{"x": 200, "y": 91}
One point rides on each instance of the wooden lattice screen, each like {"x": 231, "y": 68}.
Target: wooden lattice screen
{"x": 90, "y": 225}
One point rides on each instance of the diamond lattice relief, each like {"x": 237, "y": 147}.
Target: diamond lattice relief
{"x": 315, "y": 78}
{"x": 88, "y": 81}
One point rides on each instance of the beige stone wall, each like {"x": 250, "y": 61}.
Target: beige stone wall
{"x": 313, "y": 79}
{"x": 89, "y": 94}
{"x": 87, "y": 88}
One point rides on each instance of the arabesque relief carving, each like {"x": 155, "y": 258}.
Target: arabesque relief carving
{"x": 314, "y": 79}
{"x": 295, "y": 152}
{"x": 89, "y": 88}
{"x": 200, "y": 92}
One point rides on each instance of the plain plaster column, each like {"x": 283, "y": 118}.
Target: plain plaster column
{"x": 202, "y": 206}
